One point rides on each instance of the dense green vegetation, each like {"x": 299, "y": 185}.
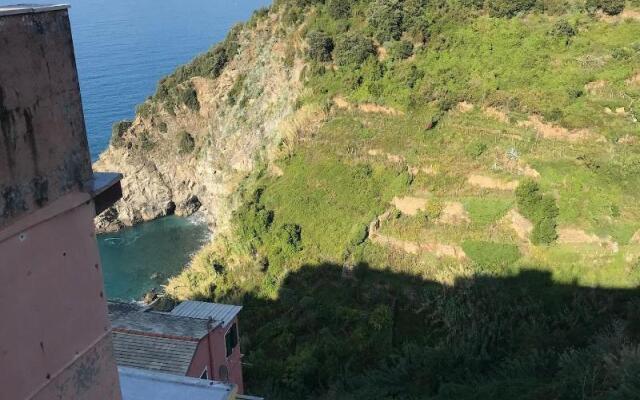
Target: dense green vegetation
{"x": 460, "y": 223}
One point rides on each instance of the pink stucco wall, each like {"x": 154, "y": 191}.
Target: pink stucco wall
{"x": 213, "y": 348}
{"x": 54, "y": 312}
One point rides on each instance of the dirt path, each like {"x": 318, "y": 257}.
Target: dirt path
{"x": 435, "y": 248}
{"x": 344, "y": 104}
{"x": 410, "y": 205}
{"x": 554, "y": 132}
{"x": 453, "y": 213}
{"x": 486, "y": 182}
{"x": 522, "y": 226}
{"x": 569, "y": 235}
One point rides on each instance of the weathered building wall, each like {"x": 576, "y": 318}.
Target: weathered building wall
{"x": 43, "y": 143}
{"x": 55, "y": 337}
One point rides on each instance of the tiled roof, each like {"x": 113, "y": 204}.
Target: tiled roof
{"x": 224, "y": 313}
{"x": 126, "y": 317}
{"x": 146, "y": 385}
{"x": 167, "y": 355}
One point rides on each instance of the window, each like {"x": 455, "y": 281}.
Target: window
{"x": 231, "y": 339}
{"x": 205, "y": 374}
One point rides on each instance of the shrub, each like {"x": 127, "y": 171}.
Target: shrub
{"x": 359, "y": 234}
{"x": 610, "y": 7}
{"x": 145, "y": 141}
{"x": 339, "y": 9}
{"x": 117, "y": 132}
{"x": 562, "y": 28}
{"x": 475, "y": 149}
{"x": 544, "y": 231}
{"x": 509, "y": 8}
{"x": 385, "y": 19}
{"x": 491, "y": 255}
{"x": 400, "y": 50}
{"x": 189, "y": 98}
{"x": 144, "y": 110}
{"x": 186, "y": 143}
{"x": 539, "y": 208}
{"x": 320, "y": 46}
{"x": 162, "y": 127}
{"x": 236, "y": 90}
{"x": 352, "y": 49}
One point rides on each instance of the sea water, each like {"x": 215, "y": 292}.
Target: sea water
{"x": 122, "y": 49}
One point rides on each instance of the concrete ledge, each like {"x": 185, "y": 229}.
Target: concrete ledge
{"x": 31, "y": 8}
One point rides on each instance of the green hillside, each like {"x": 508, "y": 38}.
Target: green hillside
{"x": 454, "y": 210}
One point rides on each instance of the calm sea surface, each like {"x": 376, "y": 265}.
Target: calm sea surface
{"x": 123, "y": 47}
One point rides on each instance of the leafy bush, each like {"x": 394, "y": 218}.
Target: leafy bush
{"x": 186, "y": 143}
{"x": 385, "y": 19}
{"x": 320, "y": 46}
{"x": 491, "y": 255}
{"x": 236, "y": 89}
{"x": 544, "y": 231}
{"x": 509, "y": 8}
{"x": 562, "y": 28}
{"x": 352, "y": 49}
{"x": 539, "y": 208}
{"x": 610, "y": 7}
{"x": 400, "y": 50}
{"x": 117, "y": 132}
{"x": 476, "y": 149}
{"x": 162, "y": 127}
{"x": 339, "y": 9}
{"x": 189, "y": 98}
{"x": 359, "y": 234}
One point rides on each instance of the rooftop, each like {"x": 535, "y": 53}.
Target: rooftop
{"x": 171, "y": 356}
{"x": 129, "y": 318}
{"x": 17, "y": 9}
{"x": 144, "y": 385}
{"x": 223, "y": 313}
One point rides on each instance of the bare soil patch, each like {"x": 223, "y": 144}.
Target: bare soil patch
{"x": 522, "y": 226}
{"x": 496, "y": 114}
{"x": 486, "y": 182}
{"x": 453, "y": 213}
{"x": 435, "y": 248}
{"x": 409, "y": 205}
{"x": 595, "y": 87}
{"x": 635, "y": 239}
{"x": 465, "y": 107}
{"x": 342, "y": 103}
{"x": 634, "y": 80}
{"x": 554, "y": 132}
{"x": 578, "y": 236}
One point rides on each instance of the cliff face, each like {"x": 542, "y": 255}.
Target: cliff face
{"x": 192, "y": 155}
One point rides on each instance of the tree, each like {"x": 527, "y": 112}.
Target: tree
{"x": 352, "y": 49}
{"x": 509, "y": 8}
{"x": 320, "y": 46}
{"x": 339, "y": 9}
{"x": 385, "y": 19}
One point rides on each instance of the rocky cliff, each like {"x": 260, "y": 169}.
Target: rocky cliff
{"x": 208, "y": 126}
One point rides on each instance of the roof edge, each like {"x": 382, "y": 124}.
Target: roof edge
{"x": 18, "y": 9}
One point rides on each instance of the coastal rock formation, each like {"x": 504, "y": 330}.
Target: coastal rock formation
{"x": 190, "y": 152}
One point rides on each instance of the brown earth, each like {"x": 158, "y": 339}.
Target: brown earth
{"x": 554, "y": 132}
{"x": 522, "y": 226}
{"x": 344, "y": 104}
{"x": 496, "y": 114}
{"x": 453, "y": 213}
{"x": 577, "y": 236}
{"x": 409, "y": 205}
{"x": 486, "y": 182}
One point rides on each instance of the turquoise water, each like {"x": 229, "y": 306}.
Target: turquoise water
{"x": 138, "y": 259}
{"x": 123, "y": 48}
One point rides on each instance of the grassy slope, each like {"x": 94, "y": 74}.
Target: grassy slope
{"x": 507, "y": 322}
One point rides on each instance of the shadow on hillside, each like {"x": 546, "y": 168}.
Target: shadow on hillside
{"x": 378, "y": 334}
